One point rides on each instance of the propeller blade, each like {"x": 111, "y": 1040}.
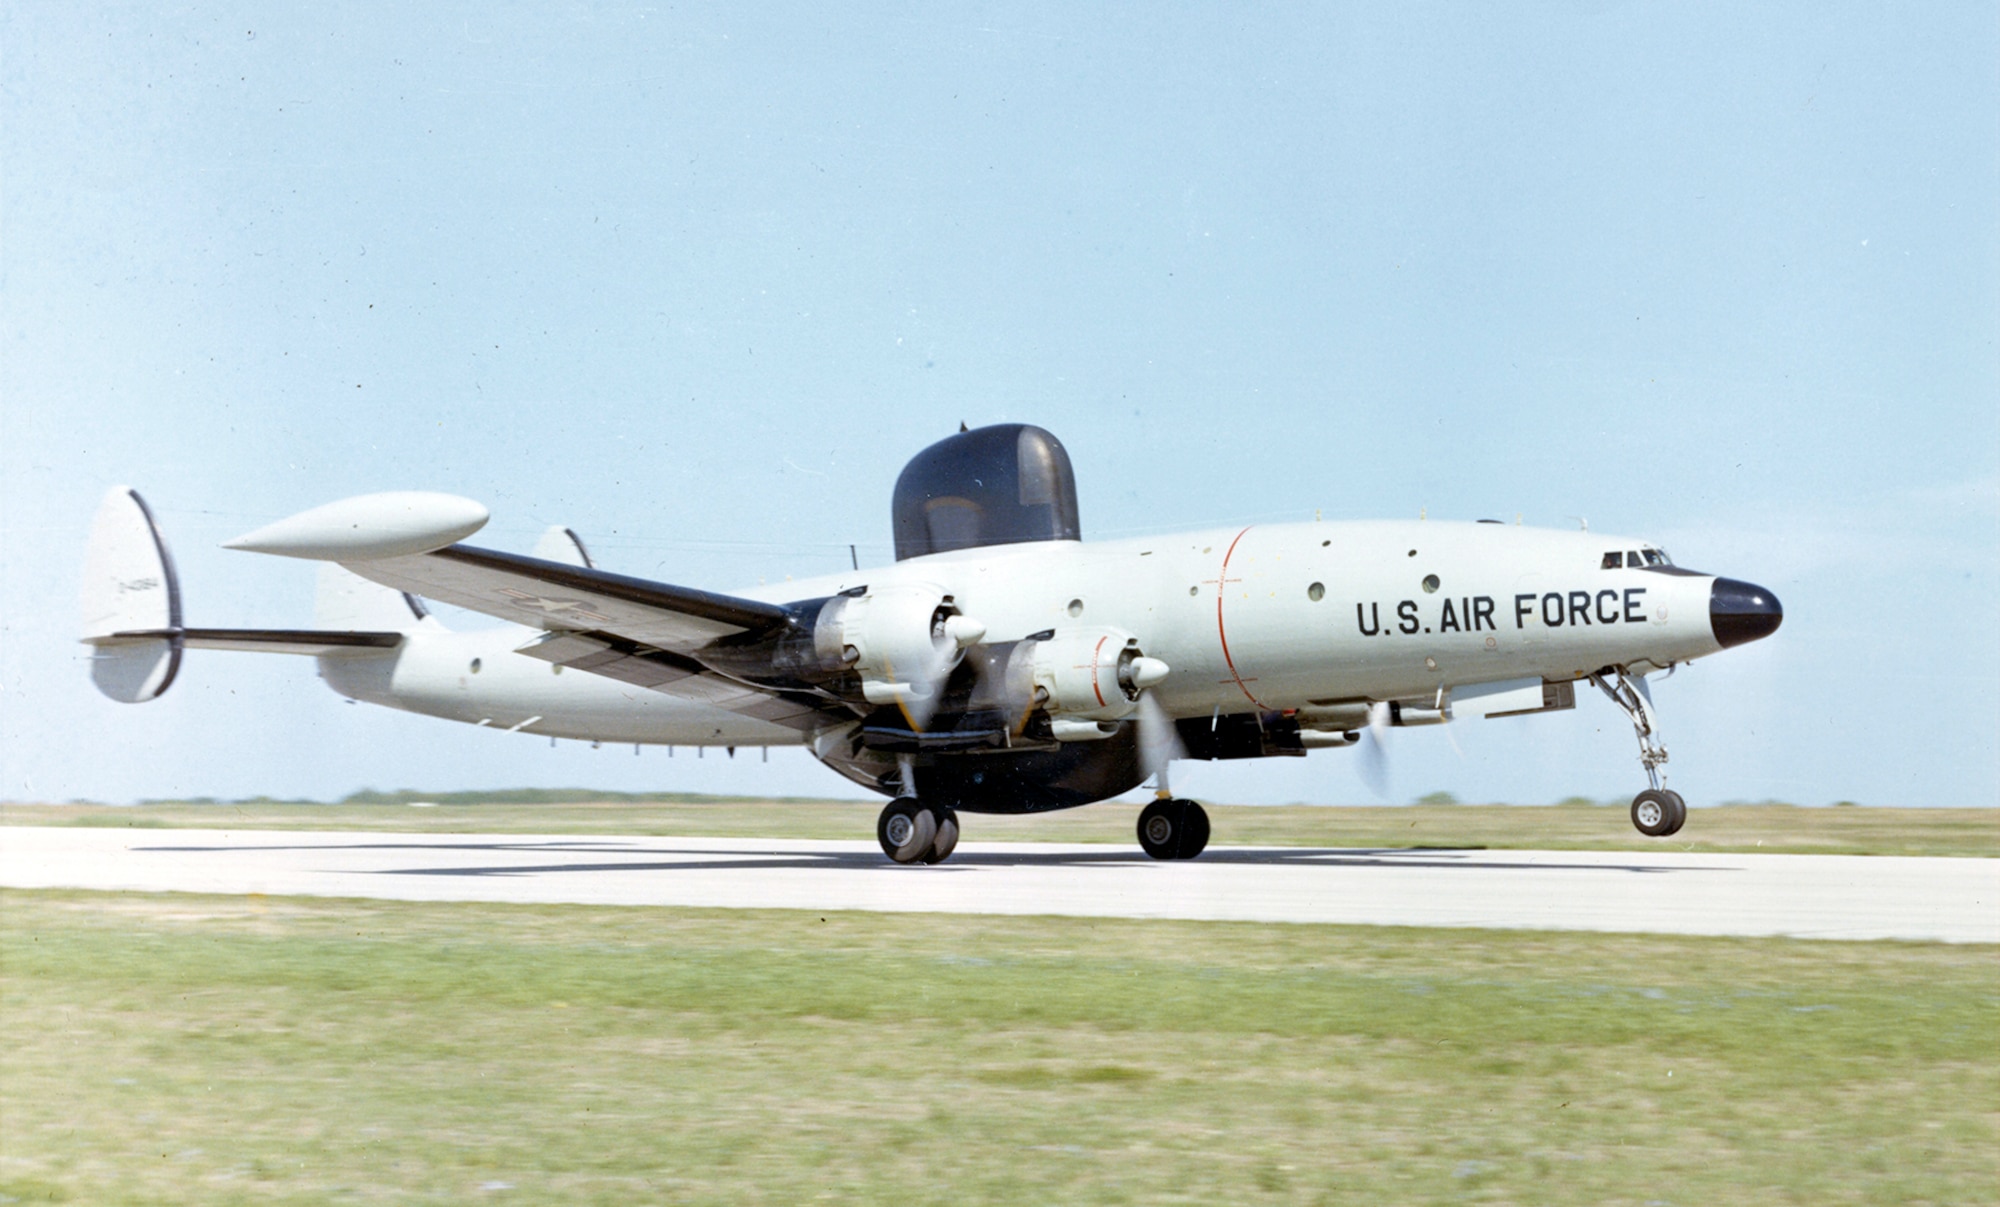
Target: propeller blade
{"x": 1451, "y": 735}
{"x": 1374, "y": 765}
{"x": 1159, "y": 742}
{"x": 922, "y": 690}
{"x": 923, "y": 686}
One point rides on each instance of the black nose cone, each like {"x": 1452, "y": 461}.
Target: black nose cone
{"x": 1740, "y": 612}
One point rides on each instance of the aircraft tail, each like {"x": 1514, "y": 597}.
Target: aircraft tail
{"x": 345, "y": 600}
{"x": 560, "y": 544}
{"x": 131, "y": 607}
{"x": 131, "y": 601}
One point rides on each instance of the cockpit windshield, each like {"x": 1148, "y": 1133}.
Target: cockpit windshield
{"x": 1636, "y": 559}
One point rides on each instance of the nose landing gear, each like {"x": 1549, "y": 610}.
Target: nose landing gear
{"x": 1657, "y": 811}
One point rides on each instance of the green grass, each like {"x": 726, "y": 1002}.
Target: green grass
{"x": 1770, "y": 828}
{"x": 171, "y": 1049}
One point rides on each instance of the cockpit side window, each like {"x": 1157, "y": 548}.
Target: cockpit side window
{"x": 1613, "y": 560}
{"x": 1633, "y": 559}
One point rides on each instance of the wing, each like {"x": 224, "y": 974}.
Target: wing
{"x": 553, "y": 595}
{"x": 630, "y": 629}
{"x": 650, "y": 634}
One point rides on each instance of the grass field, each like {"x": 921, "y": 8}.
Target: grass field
{"x": 175, "y": 1049}
{"x": 1769, "y": 828}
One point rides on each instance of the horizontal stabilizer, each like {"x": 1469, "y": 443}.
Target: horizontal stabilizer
{"x": 311, "y": 642}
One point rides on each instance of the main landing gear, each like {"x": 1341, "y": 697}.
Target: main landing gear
{"x": 913, "y": 832}
{"x": 1656, "y": 812}
{"x": 1173, "y": 829}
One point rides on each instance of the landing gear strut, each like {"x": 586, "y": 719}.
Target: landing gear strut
{"x": 1657, "y": 811}
{"x": 1173, "y": 829}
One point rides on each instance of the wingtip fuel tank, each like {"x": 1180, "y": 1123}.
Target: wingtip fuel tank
{"x": 369, "y": 527}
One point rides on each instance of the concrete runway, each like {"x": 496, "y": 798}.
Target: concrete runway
{"x": 1809, "y": 896}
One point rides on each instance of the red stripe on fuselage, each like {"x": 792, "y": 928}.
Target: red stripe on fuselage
{"x": 1096, "y": 660}
{"x": 1221, "y": 633}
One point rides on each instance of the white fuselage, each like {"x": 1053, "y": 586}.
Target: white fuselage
{"x": 1403, "y": 610}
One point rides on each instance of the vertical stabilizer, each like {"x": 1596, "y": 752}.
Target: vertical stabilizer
{"x": 560, "y": 544}
{"x": 131, "y": 601}
{"x": 346, "y": 601}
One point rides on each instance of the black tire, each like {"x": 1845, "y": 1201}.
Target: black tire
{"x": 946, "y": 838}
{"x": 1194, "y": 830}
{"x": 906, "y": 829}
{"x": 1173, "y": 829}
{"x": 1654, "y": 813}
{"x": 1679, "y": 813}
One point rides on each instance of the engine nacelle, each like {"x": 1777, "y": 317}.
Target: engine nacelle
{"x": 1092, "y": 674}
{"x": 903, "y": 641}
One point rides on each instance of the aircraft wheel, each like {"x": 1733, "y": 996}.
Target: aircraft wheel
{"x": 1658, "y": 813}
{"x": 1679, "y": 816}
{"x": 1173, "y": 829}
{"x": 946, "y": 838}
{"x": 907, "y": 830}
{"x": 1194, "y": 830}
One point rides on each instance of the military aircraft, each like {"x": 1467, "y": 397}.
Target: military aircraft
{"x": 1002, "y": 664}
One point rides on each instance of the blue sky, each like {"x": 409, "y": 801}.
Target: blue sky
{"x": 697, "y": 281}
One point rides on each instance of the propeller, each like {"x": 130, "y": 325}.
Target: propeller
{"x": 1375, "y": 751}
{"x": 922, "y": 688}
{"x": 1159, "y": 742}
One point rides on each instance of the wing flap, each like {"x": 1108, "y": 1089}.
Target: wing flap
{"x": 664, "y": 671}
